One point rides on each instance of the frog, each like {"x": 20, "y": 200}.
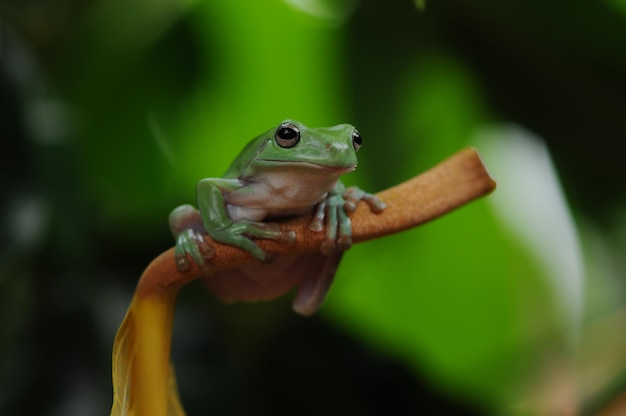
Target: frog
{"x": 290, "y": 170}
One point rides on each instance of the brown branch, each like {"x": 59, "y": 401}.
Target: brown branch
{"x": 450, "y": 184}
{"x": 143, "y": 381}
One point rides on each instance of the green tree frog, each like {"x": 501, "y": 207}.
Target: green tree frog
{"x": 287, "y": 171}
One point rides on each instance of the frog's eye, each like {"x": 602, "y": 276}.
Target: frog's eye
{"x": 356, "y": 140}
{"x": 287, "y": 135}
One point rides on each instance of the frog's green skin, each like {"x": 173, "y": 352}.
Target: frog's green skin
{"x": 289, "y": 170}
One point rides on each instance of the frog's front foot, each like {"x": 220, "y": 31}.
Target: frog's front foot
{"x": 240, "y": 234}
{"x": 353, "y": 195}
{"x": 333, "y": 213}
{"x": 192, "y": 242}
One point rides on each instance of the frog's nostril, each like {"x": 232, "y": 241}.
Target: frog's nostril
{"x": 328, "y": 146}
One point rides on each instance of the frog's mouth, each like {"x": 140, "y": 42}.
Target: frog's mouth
{"x": 309, "y": 166}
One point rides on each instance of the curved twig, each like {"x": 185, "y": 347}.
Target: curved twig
{"x": 448, "y": 185}
{"x": 143, "y": 380}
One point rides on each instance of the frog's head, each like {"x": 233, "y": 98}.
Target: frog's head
{"x": 328, "y": 147}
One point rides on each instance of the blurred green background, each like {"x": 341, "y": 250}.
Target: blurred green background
{"x": 111, "y": 111}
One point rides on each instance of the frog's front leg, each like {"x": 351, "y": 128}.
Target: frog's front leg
{"x": 222, "y": 228}
{"x": 186, "y": 227}
{"x": 333, "y": 213}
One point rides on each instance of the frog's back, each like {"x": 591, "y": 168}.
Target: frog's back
{"x": 247, "y": 155}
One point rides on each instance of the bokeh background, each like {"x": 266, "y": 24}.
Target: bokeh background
{"x": 111, "y": 111}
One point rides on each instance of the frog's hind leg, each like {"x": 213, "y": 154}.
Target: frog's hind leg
{"x": 186, "y": 225}
{"x": 185, "y": 217}
{"x": 311, "y": 273}
{"x": 319, "y": 272}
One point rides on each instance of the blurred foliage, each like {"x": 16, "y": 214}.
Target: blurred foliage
{"x": 111, "y": 112}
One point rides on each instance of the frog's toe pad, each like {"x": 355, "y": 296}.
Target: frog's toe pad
{"x": 344, "y": 243}
{"x": 349, "y": 206}
{"x": 328, "y": 247}
{"x": 287, "y": 237}
{"x": 376, "y": 205}
{"x": 182, "y": 264}
{"x": 206, "y": 250}
{"x": 268, "y": 258}
{"x": 316, "y": 225}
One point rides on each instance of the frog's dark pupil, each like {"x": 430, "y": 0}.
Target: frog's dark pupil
{"x": 287, "y": 133}
{"x": 356, "y": 137}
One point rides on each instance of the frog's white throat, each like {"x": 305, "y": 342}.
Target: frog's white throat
{"x": 283, "y": 191}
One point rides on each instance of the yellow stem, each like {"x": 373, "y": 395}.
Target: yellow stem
{"x": 143, "y": 379}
